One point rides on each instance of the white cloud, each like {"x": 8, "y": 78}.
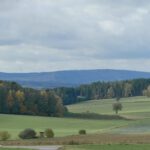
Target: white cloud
{"x": 111, "y": 27}
{"x": 48, "y": 35}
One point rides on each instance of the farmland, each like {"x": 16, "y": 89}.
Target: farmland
{"x": 99, "y": 131}
{"x": 108, "y": 147}
{"x": 132, "y": 107}
{"x": 136, "y": 108}
{"x": 61, "y": 126}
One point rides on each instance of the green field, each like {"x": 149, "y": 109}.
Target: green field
{"x": 61, "y": 126}
{"x": 137, "y": 108}
{"x": 132, "y": 107}
{"x": 108, "y": 147}
{"x": 98, "y": 147}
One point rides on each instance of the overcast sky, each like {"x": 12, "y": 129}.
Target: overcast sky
{"x": 49, "y": 35}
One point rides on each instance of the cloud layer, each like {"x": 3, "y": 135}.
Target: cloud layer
{"x": 37, "y": 35}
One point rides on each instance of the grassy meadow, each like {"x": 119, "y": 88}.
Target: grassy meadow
{"x": 61, "y": 126}
{"x": 136, "y": 108}
{"x": 108, "y": 147}
{"x": 99, "y": 147}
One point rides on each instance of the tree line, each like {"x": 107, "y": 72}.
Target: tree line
{"x": 15, "y": 99}
{"x": 103, "y": 90}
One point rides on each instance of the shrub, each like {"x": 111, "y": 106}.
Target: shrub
{"x": 27, "y": 134}
{"x": 82, "y": 132}
{"x": 4, "y": 135}
{"x": 49, "y": 133}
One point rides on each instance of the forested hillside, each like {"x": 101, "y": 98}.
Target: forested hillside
{"x": 103, "y": 90}
{"x": 17, "y": 100}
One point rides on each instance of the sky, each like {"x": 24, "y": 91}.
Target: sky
{"x": 51, "y": 35}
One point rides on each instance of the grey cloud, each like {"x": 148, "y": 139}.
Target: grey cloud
{"x": 52, "y": 32}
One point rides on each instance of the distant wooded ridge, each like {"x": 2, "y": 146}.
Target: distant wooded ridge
{"x": 71, "y": 78}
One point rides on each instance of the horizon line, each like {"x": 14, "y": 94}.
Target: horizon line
{"x": 67, "y": 70}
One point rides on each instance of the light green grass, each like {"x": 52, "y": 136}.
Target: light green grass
{"x": 137, "y": 108}
{"x": 61, "y": 126}
{"x": 109, "y": 147}
{"x": 134, "y": 107}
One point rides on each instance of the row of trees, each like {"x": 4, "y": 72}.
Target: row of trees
{"x": 17, "y": 100}
{"x": 102, "y": 90}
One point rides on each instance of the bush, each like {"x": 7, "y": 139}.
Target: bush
{"x": 49, "y": 133}
{"x": 4, "y": 135}
{"x": 82, "y": 132}
{"x": 27, "y": 134}
{"x": 117, "y": 106}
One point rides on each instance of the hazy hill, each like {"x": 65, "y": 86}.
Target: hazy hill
{"x": 70, "y": 78}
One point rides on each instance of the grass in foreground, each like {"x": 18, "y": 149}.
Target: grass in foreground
{"x": 108, "y": 147}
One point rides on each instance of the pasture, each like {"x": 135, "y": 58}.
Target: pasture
{"x": 108, "y": 147}
{"x": 136, "y": 108}
{"x": 61, "y": 126}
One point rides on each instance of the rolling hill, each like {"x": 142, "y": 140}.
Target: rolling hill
{"x": 136, "y": 108}
{"x": 70, "y": 78}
